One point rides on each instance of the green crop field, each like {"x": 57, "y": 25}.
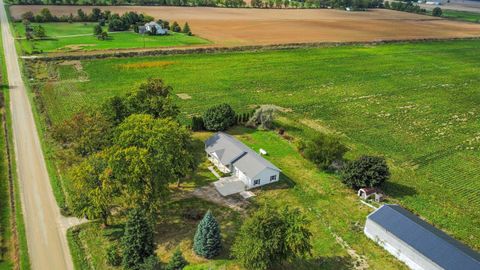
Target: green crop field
{"x": 65, "y": 37}
{"x": 415, "y": 103}
{"x": 461, "y": 15}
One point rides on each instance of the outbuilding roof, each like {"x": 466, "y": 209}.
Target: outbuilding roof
{"x": 231, "y": 151}
{"x": 429, "y": 241}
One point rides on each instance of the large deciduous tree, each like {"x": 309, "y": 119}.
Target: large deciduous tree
{"x": 85, "y": 133}
{"x": 95, "y": 188}
{"x": 148, "y": 154}
{"x": 270, "y": 237}
{"x": 207, "y": 241}
{"x": 152, "y": 97}
{"x": 367, "y": 171}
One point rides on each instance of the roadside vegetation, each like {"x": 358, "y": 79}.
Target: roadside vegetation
{"x": 358, "y": 5}
{"x": 13, "y": 241}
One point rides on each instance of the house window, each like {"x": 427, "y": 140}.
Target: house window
{"x": 256, "y": 182}
{"x": 273, "y": 178}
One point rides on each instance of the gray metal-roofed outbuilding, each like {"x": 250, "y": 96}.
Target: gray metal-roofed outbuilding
{"x": 417, "y": 243}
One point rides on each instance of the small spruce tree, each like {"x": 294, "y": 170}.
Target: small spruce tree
{"x": 186, "y": 29}
{"x": 175, "y": 27}
{"x": 177, "y": 262}
{"x": 137, "y": 240}
{"x": 207, "y": 240}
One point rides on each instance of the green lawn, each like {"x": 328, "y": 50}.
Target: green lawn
{"x": 461, "y": 15}
{"x": 330, "y": 207}
{"x": 61, "y": 38}
{"x": 417, "y": 104}
{"x": 90, "y": 241}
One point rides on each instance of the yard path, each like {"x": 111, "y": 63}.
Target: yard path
{"x": 45, "y": 226}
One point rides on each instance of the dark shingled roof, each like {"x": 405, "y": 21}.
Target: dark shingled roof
{"x": 431, "y": 242}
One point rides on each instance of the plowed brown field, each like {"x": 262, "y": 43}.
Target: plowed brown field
{"x": 228, "y": 26}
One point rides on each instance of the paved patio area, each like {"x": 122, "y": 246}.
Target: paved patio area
{"x": 210, "y": 193}
{"x": 229, "y": 185}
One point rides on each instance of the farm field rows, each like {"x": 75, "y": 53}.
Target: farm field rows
{"x": 415, "y": 103}
{"x": 462, "y": 15}
{"x": 230, "y": 27}
{"x": 66, "y": 37}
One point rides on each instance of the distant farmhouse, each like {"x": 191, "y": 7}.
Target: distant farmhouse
{"x": 152, "y": 26}
{"x": 417, "y": 243}
{"x": 247, "y": 168}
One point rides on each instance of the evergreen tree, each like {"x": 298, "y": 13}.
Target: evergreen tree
{"x": 207, "y": 241}
{"x": 186, "y": 29}
{"x": 177, "y": 262}
{"x": 137, "y": 241}
{"x": 175, "y": 27}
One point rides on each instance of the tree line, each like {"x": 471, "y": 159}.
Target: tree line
{"x": 96, "y": 15}
{"x": 405, "y": 6}
{"x": 354, "y": 4}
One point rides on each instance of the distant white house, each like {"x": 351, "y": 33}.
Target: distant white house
{"x": 148, "y": 28}
{"x": 415, "y": 242}
{"x": 247, "y": 168}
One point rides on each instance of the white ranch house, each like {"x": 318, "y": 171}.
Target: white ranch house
{"x": 150, "y": 26}
{"x": 247, "y": 168}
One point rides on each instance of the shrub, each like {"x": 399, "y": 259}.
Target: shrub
{"x": 263, "y": 117}
{"x": 207, "y": 241}
{"x": 367, "y": 171}
{"x": 437, "y": 12}
{"x": 322, "y": 150}
{"x": 219, "y": 117}
{"x": 138, "y": 240}
{"x": 151, "y": 263}
{"x": 177, "y": 262}
{"x": 113, "y": 255}
{"x": 97, "y": 30}
{"x": 197, "y": 123}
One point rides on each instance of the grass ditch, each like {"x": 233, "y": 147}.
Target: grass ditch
{"x": 21, "y": 258}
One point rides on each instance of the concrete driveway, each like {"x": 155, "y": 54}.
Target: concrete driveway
{"x": 229, "y": 185}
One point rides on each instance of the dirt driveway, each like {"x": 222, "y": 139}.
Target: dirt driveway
{"x": 247, "y": 26}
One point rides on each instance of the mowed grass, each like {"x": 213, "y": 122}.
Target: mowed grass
{"x": 66, "y": 37}
{"x": 174, "y": 230}
{"x": 461, "y": 15}
{"x": 417, "y": 104}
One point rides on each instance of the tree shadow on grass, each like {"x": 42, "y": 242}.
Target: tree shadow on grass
{"x": 397, "y": 190}
{"x": 284, "y": 183}
{"x": 175, "y": 227}
{"x": 114, "y": 232}
{"x": 322, "y": 263}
